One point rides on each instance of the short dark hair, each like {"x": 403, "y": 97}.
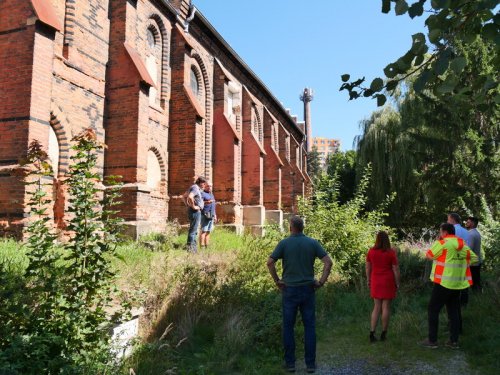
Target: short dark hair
{"x": 475, "y": 220}
{"x": 297, "y": 222}
{"x": 200, "y": 180}
{"x": 456, "y": 217}
{"x": 448, "y": 228}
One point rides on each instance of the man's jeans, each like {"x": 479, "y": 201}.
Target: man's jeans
{"x": 194, "y": 223}
{"x": 476, "y": 278}
{"x": 299, "y": 298}
{"x": 451, "y": 298}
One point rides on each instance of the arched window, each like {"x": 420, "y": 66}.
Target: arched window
{"x": 150, "y": 36}
{"x": 53, "y": 151}
{"x": 194, "y": 82}
{"x": 287, "y": 147}
{"x": 153, "y": 61}
{"x": 153, "y": 171}
{"x": 274, "y": 137}
{"x": 256, "y": 125}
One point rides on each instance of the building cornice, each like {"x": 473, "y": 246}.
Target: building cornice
{"x": 246, "y": 69}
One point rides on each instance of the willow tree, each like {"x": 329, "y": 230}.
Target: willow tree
{"x": 433, "y": 153}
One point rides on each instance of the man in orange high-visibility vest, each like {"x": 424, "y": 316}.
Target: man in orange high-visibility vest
{"x": 450, "y": 274}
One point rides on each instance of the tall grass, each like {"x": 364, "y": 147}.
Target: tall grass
{"x": 13, "y": 257}
{"x": 218, "y": 312}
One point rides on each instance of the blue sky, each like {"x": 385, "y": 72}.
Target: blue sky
{"x": 291, "y": 44}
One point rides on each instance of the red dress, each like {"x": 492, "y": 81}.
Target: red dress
{"x": 382, "y": 281}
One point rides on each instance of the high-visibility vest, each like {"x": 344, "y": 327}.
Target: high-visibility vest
{"x": 451, "y": 266}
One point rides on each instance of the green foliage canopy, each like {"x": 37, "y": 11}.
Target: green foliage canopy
{"x": 432, "y": 61}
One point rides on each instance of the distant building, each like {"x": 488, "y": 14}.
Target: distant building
{"x": 325, "y": 147}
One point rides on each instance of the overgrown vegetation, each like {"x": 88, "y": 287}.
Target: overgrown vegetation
{"x": 55, "y": 311}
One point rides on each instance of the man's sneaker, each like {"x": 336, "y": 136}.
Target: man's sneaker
{"x": 311, "y": 370}
{"x": 452, "y": 345}
{"x": 429, "y": 344}
{"x": 289, "y": 368}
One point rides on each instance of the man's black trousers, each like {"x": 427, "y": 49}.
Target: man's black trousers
{"x": 450, "y": 298}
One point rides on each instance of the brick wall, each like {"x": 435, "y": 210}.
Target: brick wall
{"x": 94, "y": 63}
{"x": 272, "y": 165}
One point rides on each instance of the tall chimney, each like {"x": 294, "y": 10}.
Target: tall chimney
{"x": 307, "y": 97}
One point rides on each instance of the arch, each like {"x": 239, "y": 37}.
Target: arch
{"x": 155, "y": 168}
{"x": 208, "y": 112}
{"x": 53, "y": 151}
{"x": 256, "y": 124}
{"x": 62, "y": 139}
{"x": 161, "y": 34}
{"x": 199, "y": 88}
{"x": 274, "y": 137}
{"x": 287, "y": 147}
{"x": 154, "y": 63}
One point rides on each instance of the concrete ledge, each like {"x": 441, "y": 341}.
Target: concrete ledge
{"x": 135, "y": 229}
{"x": 230, "y": 213}
{"x": 236, "y": 228}
{"x": 274, "y": 217}
{"x": 255, "y": 230}
{"x": 254, "y": 215}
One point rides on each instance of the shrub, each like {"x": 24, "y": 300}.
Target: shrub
{"x": 56, "y": 319}
{"x": 346, "y": 231}
{"x": 490, "y": 231}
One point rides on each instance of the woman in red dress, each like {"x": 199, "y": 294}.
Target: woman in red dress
{"x": 382, "y": 274}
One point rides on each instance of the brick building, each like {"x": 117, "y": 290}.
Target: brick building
{"x": 164, "y": 91}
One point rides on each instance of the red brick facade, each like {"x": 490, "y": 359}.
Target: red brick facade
{"x": 166, "y": 94}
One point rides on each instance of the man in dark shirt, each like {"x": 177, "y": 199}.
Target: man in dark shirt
{"x": 208, "y": 215}
{"x": 298, "y": 253}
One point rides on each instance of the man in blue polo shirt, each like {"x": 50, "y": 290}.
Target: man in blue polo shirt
{"x": 298, "y": 285}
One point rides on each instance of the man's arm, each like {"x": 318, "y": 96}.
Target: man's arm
{"x": 327, "y": 267}
{"x": 271, "y": 265}
{"x": 190, "y": 202}
{"x": 435, "y": 251}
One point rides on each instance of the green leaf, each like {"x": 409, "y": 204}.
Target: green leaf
{"x": 386, "y": 6}
{"x": 381, "y": 99}
{"x": 421, "y": 81}
{"x": 416, "y": 9}
{"x": 419, "y": 60}
{"x": 490, "y": 31}
{"x": 391, "y": 85}
{"x": 401, "y": 7}
{"x": 448, "y": 85}
{"x": 402, "y": 64}
{"x": 367, "y": 93}
{"x": 440, "y": 4}
{"x": 377, "y": 84}
{"x": 345, "y": 77}
{"x": 458, "y": 64}
{"x": 441, "y": 65}
{"x": 435, "y": 35}
{"x": 390, "y": 71}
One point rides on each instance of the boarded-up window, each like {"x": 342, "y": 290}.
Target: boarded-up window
{"x": 153, "y": 171}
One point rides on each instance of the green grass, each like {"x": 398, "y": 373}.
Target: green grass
{"x": 347, "y": 330}
{"x": 12, "y": 256}
{"x": 230, "y": 319}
